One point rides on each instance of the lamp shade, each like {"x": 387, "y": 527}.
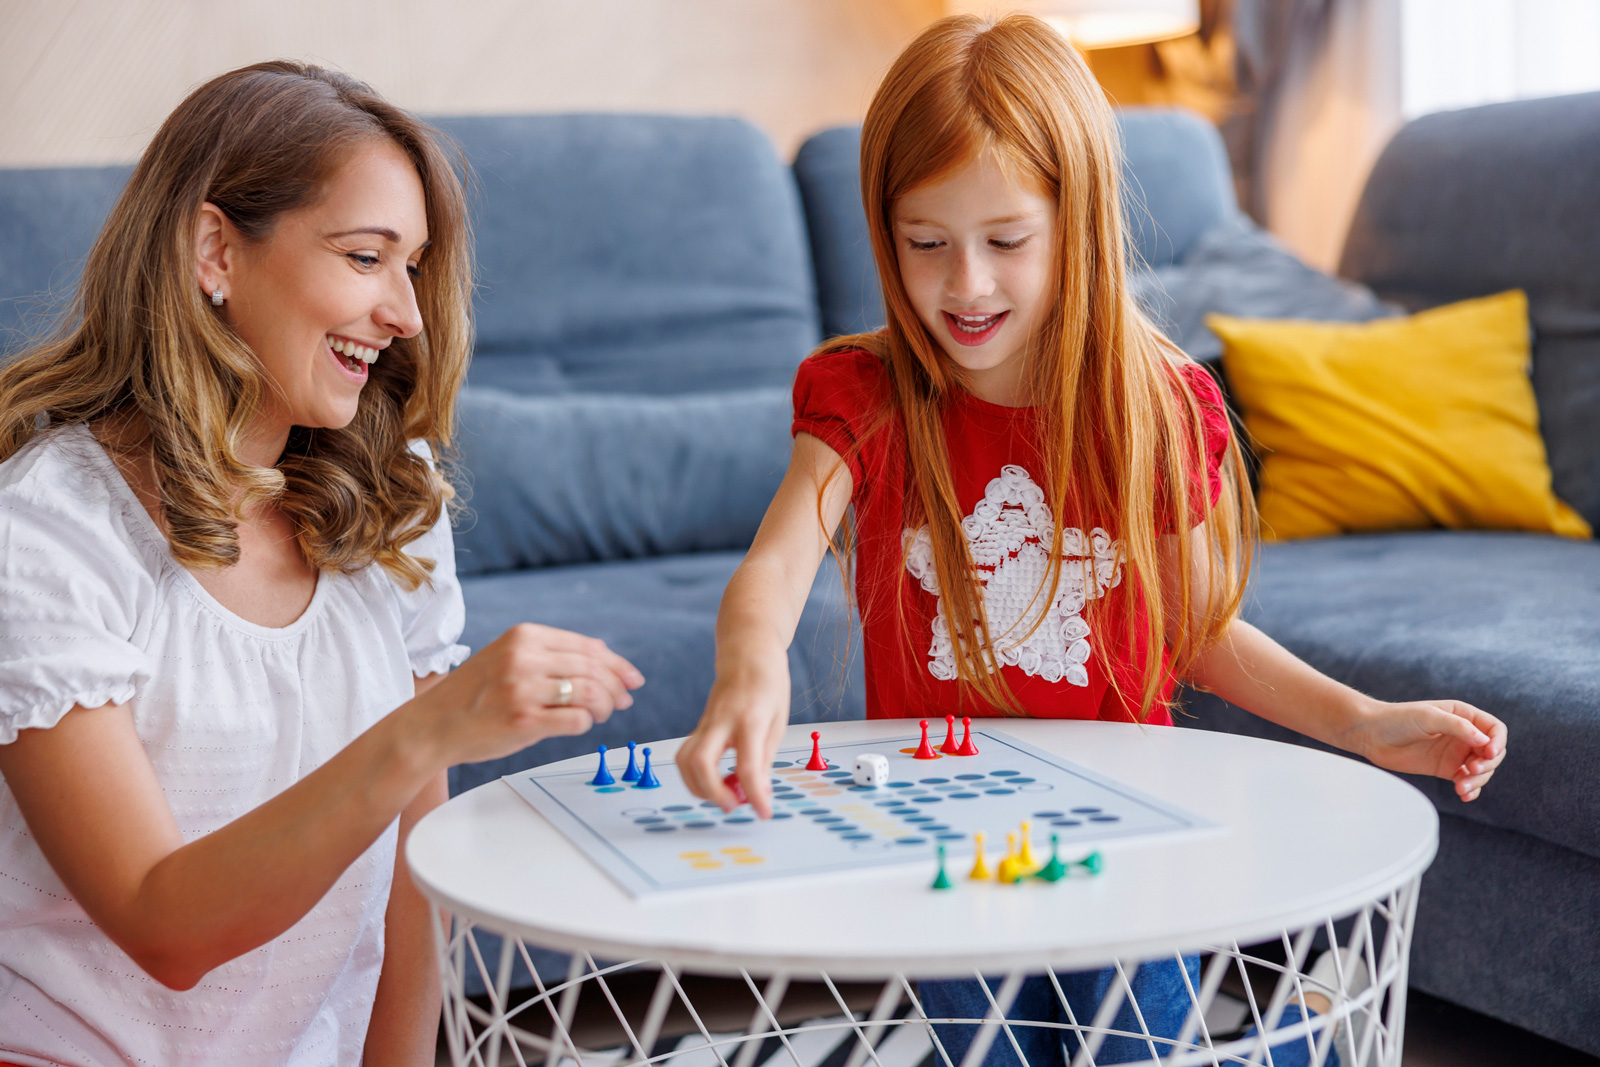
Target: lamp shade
{"x": 1099, "y": 23}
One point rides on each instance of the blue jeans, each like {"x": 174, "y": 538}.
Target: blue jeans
{"x": 1158, "y": 987}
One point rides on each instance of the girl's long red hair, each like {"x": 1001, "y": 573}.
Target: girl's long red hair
{"x": 1120, "y": 432}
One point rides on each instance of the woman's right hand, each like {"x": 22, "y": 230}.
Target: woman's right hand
{"x": 747, "y": 711}
{"x": 508, "y": 696}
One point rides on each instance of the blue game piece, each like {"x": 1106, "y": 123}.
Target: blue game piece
{"x": 632, "y": 773}
{"x": 647, "y": 777}
{"x": 603, "y": 775}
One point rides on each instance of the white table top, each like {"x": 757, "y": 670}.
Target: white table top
{"x": 1306, "y": 835}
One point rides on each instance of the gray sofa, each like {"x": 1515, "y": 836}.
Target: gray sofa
{"x": 650, "y": 283}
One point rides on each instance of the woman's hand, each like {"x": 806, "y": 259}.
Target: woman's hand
{"x": 747, "y": 711}
{"x": 510, "y": 695}
{"x": 1444, "y": 738}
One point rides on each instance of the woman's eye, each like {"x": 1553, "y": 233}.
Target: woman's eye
{"x": 1009, "y": 246}
{"x": 415, "y": 270}
{"x": 364, "y": 260}
{"x": 923, "y": 246}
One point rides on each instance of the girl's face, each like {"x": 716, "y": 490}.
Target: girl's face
{"x": 975, "y": 255}
{"x": 327, "y": 291}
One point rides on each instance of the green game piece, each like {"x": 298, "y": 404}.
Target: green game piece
{"x": 1055, "y": 870}
{"x": 1091, "y": 863}
{"x": 941, "y": 880}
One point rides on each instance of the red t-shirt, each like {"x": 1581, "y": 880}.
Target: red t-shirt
{"x": 1061, "y": 670}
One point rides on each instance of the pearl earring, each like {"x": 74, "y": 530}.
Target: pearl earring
{"x": 216, "y": 298}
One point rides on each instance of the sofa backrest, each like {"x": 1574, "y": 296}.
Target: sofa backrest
{"x": 1466, "y": 203}
{"x": 49, "y": 218}
{"x": 641, "y": 254}
{"x": 1176, "y": 186}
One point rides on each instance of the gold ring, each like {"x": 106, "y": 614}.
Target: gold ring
{"x": 563, "y": 692}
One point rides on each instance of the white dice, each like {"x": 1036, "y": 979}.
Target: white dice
{"x": 871, "y": 769}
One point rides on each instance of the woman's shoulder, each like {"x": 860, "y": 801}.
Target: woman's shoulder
{"x": 59, "y": 469}
{"x": 62, "y": 495}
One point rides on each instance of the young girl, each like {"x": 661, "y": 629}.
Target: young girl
{"x": 1049, "y": 515}
{"x": 228, "y": 600}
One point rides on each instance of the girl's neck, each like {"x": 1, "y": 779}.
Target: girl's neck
{"x": 1005, "y": 385}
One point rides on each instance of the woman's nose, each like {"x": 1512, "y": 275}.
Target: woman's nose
{"x": 400, "y": 314}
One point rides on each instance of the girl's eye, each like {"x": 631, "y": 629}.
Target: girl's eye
{"x": 364, "y": 260}
{"x": 1009, "y": 246}
{"x": 415, "y": 270}
{"x": 923, "y": 246}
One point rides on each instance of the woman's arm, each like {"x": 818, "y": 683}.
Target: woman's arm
{"x": 94, "y": 805}
{"x": 749, "y": 703}
{"x": 405, "y": 1016}
{"x": 1443, "y": 738}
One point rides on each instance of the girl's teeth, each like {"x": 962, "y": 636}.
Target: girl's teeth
{"x": 975, "y": 323}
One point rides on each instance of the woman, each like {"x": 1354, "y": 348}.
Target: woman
{"x": 229, "y": 600}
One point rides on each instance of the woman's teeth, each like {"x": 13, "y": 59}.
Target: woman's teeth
{"x": 352, "y": 350}
{"x": 975, "y": 323}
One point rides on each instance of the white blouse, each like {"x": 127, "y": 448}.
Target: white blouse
{"x": 93, "y": 608}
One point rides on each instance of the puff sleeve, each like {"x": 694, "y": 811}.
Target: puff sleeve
{"x": 73, "y": 596}
{"x": 835, "y": 394}
{"x": 434, "y": 614}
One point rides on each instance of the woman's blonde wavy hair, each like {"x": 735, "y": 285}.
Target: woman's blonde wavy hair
{"x": 140, "y": 338}
{"x": 1121, "y": 435}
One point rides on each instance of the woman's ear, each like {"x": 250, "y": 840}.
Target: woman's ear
{"x": 213, "y": 251}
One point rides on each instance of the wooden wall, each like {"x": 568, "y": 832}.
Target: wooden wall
{"x": 89, "y": 81}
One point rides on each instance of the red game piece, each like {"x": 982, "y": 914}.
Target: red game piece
{"x": 732, "y": 782}
{"x": 817, "y": 762}
{"x": 925, "y": 750}
{"x": 950, "y": 748}
{"x": 967, "y": 747}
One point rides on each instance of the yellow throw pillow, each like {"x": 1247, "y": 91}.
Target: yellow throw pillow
{"x": 1395, "y": 424}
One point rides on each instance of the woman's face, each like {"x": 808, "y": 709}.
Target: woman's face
{"x": 329, "y": 288}
{"x": 975, "y": 257}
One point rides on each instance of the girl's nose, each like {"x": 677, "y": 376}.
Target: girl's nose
{"x": 969, "y": 278}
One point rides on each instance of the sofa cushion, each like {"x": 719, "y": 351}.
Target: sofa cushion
{"x": 1237, "y": 268}
{"x": 661, "y": 614}
{"x": 1464, "y": 203}
{"x": 1508, "y": 622}
{"x": 636, "y": 254}
{"x": 577, "y": 478}
{"x": 49, "y": 218}
{"x": 1400, "y": 424}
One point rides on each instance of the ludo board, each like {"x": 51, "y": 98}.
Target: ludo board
{"x": 651, "y": 840}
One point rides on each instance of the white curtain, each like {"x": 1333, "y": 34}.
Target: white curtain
{"x": 1338, "y": 105}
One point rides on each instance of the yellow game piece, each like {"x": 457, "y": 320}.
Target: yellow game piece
{"x": 980, "y": 867}
{"x": 1026, "y": 863}
{"x": 1007, "y": 871}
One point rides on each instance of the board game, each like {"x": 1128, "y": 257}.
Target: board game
{"x": 653, "y": 838}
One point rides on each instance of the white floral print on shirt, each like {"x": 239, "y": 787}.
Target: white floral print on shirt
{"x": 1008, "y": 536}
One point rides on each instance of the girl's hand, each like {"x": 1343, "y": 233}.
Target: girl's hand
{"x": 509, "y": 695}
{"x": 1444, "y": 738}
{"x": 747, "y": 711}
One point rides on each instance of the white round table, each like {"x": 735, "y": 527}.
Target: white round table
{"x": 1310, "y": 844}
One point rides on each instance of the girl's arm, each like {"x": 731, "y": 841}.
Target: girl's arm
{"x": 1443, "y": 738}
{"x": 405, "y": 1016}
{"x": 94, "y": 805}
{"x": 749, "y": 703}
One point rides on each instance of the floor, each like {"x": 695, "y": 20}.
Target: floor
{"x": 1438, "y": 1034}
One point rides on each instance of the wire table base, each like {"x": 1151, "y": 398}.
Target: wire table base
{"x": 643, "y": 1012}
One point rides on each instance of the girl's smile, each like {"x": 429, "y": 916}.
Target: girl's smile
{"x": 975, "y": 256}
